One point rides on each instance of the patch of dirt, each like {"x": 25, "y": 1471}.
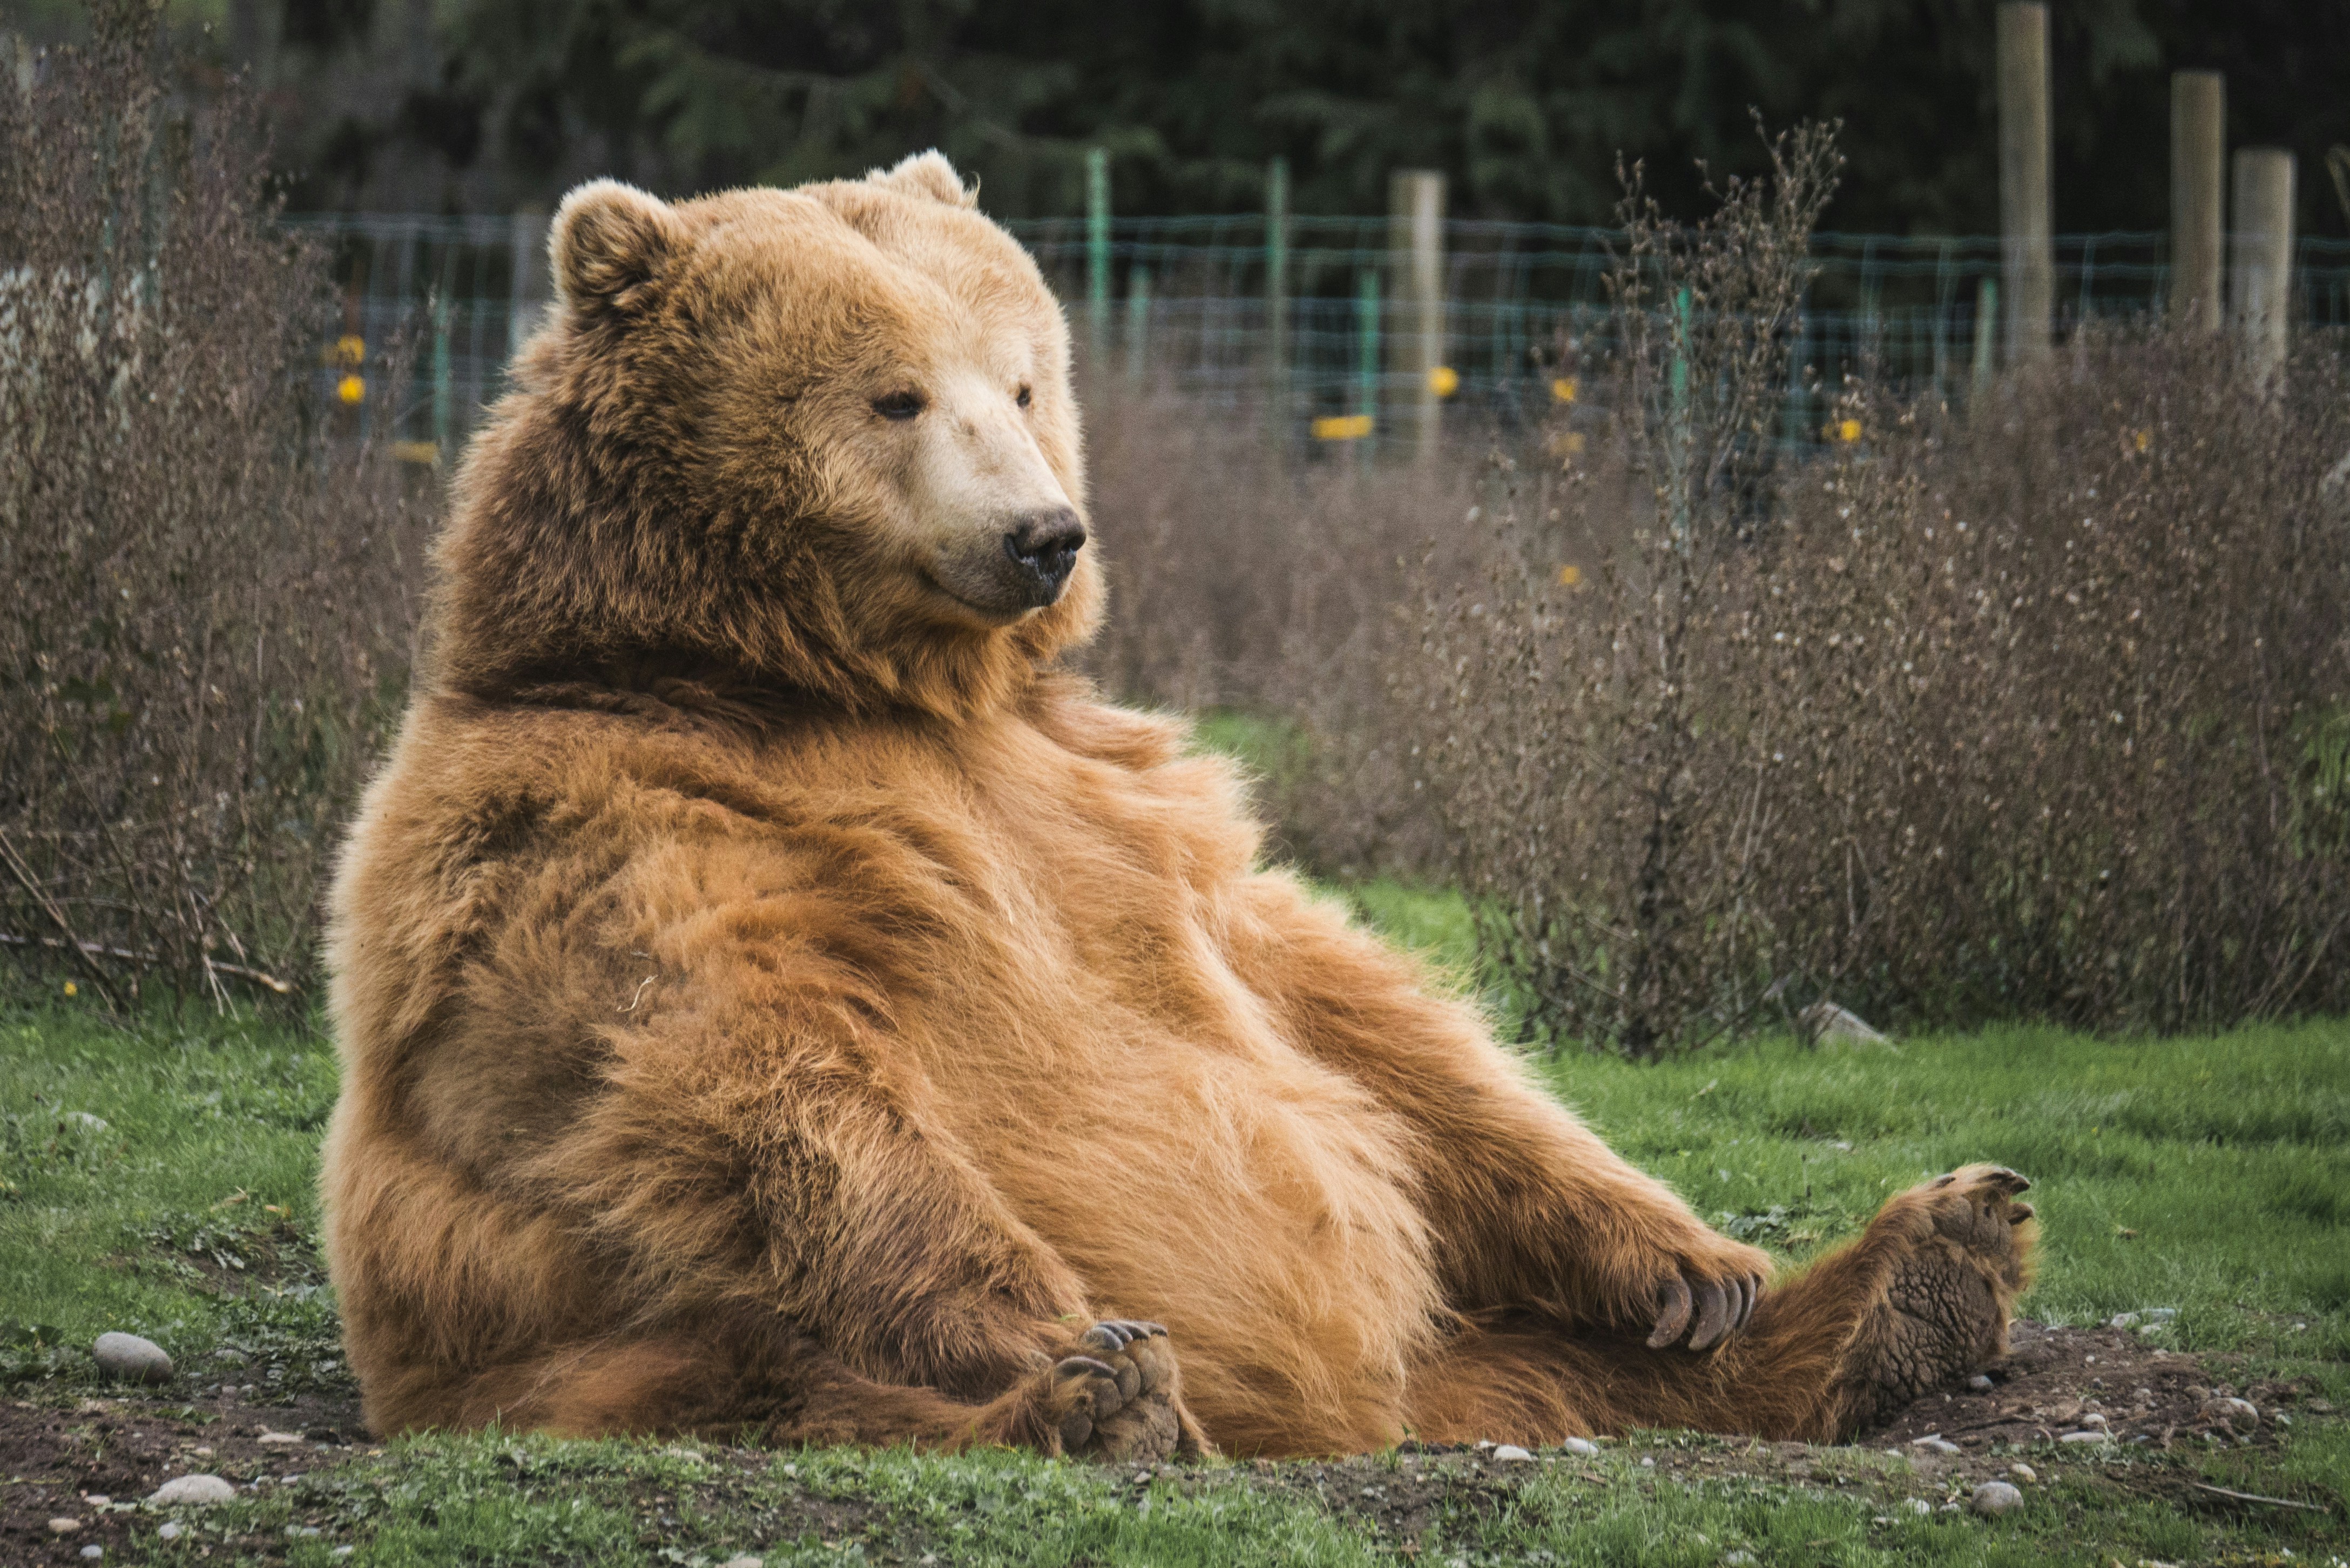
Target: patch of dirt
{"x": 59, "y": 1454}
{"x": 2060, "y": 1381}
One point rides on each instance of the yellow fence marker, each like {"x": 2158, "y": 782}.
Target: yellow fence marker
{"x": 1342, "y": 427}
{"x": 1444, "y": 381}
{"x": 1561, "y": 390}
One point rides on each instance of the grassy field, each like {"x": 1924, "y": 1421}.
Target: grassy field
{"x": 161, "y": 1181}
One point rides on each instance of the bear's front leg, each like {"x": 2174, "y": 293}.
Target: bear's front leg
{"x": 1529, "y": 1208}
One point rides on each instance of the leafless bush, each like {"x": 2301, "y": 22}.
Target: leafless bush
{"x": 2040, "y": 708}
{"x": 1577, "y": 735}
{"x": 209, "y": 576}
{"x": 1273, "y": 585}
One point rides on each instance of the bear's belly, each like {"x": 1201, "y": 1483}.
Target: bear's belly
{"x": 1257, "y": 1203}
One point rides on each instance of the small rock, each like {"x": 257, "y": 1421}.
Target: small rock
{"x": 2088, "y": 1435}
{"x": 192, "y": 1492}
{"x": 98, "y": 1499}
{"x": 93, "y": 1552}
{"x": 2023, "y": 1472}
{"x": 1511, "y": 1454}
{"x": 1828, "y": 1025}
{"x": 170, "y": 1530}
{"x": 1935, "y": 1444}
{"x": 745, "y": 1562}
{"x": 2096, "y": 1419}
{"x": 1485, "y": 1445}
{"x": 1994, "y": 1498}
{"x": 1918, "y": 1505}
{"x": 2238, "y": 1415}
{"x": 1980, "y": 1384}
{"x": 64, "y": 1526}
{"x": 278, "y": 1439}
{"x": 85, "y": 1121}
{"x": 131, "y": 1358}
{"x": 1737, "y": 1559}
{"x": 1584, "y": 1447}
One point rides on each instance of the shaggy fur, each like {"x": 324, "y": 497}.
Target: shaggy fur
{"x": 772, "y": 1002}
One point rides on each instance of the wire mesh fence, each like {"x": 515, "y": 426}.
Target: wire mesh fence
{"x": 1300, "y": 324}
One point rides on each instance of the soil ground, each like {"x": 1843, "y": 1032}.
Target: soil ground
{"x": 93, "y": 1459}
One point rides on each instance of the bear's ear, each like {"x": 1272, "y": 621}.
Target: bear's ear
{"x": 926, "y": 174}
{"x": 610, "y": 244}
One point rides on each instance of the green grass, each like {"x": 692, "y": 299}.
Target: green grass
{"x": 2211, "y": 1175}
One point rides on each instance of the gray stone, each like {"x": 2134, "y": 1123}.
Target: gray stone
{"x": 2239, "y": 1415}
{"x": 192, "y": 1492}
{"x": 2088, "y": 1435}
{"x": 63, "y": 1526}
{"x": 1980, "y": 1383}
{"x": 745, "y": 1562}
{"x": 1993, "y": 1498}
{"x": 1581, "y": 1446}
{"x": 1935, "y": 1444}
{"x": 131, "y": 1358}
{"x": 1827, "y": 1024}
{"x": 170, "y": 1530}
{"x": 2023, "y": 1472}
{"x": 1511, "y": 1454}
{"x": 93, "y": 1552}
{"x": 1918, "y": 1505}
{"x": 85, "y": 1121}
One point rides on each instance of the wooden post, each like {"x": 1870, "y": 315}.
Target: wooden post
{"x": 1276, "y": 298}
{"x": 2261, "y": 283}
{"x": 527, "y": 281}
{"x": 1097, "y": 248}
{"x": 1416, "y": 238}
{"x": 2028, "y": 252}
{"x": 2199, "y": 137}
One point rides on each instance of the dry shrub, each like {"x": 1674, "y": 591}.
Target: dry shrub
{"x": 1575, "y": 734}
{"x": 1271, "y": 586}
{"x": 210, "y": 577}
{"x": 2035, "y": 710}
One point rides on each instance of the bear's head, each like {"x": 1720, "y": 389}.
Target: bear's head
{"x": 819, "y": 441}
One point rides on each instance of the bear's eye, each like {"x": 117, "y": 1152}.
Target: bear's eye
{"x": 1023, "y": 398}
{"x": 899, "y": 405}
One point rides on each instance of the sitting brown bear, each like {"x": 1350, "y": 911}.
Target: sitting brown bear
{"x": 773, "y": 1002}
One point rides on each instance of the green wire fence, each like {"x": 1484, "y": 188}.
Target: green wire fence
{"x": 1293, "y": 319}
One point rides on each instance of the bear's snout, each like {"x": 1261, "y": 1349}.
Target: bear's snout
{"x": 1045, "y": 546}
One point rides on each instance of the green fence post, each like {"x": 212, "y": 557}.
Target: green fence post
{"x": 1276, "y": 297}
{"x": 1097, "y": 246}
{"x": 1680, "y": 430}
{"x": 1986, "y": 329}
{"x": 443, "y": 402}
{"x": 1366, "y": 353}
{"x": 1137, "y": 322}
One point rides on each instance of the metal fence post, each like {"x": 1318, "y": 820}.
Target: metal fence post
{"x": 2028, "y": 259}
{"x": 1986, "y": 330}
{"x": 2263, "y": 281}
{"x": 2198, "y": 136}
{"x": 1276, "y": 297}
{"x": 1097, "y": 247}
{"x": 1138, "y": 323}
{"x": 1366, "y": 354}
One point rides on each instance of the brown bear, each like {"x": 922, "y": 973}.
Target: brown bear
{"x": 775, "y": 1001}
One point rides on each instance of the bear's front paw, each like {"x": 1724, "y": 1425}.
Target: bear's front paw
{"x": 1119, "y": 1397}
{"x": 1707, "y": 1294}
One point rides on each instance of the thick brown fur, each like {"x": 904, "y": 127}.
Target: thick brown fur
{"x": 772, "y": 1002}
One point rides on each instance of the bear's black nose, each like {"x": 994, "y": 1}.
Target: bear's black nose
{"x": 1044, "y": 545}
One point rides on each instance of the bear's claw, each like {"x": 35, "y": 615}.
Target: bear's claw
{"x": 1117, "y": 1396}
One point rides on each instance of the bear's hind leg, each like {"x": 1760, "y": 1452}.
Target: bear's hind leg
{"x": 1921, "y": 1298}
